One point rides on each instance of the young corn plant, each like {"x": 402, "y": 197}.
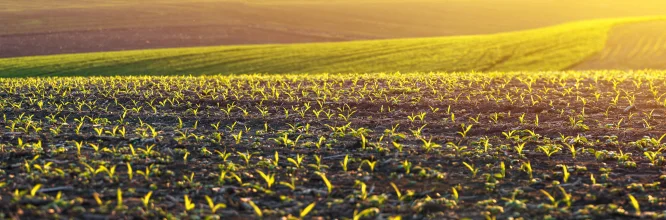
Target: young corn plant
{"x": 418, "y": 131}
{"x": 256, "y": 209}
{"x": 145, "y": 200}
{"x": 246, "y": 157}
{"x": 572, "y": 149}
{"x": 238, "y": 137}
{"x": 130, "y": 172}
{"x": 291, "y": 185}
{"x": 428, "y": 145}
{"x": 78, "y": 145}
{"x": 654, "y": 157}
{"x": 146, "y": 173}
{"x": 188, "y": 204}
{"x": 345, "y": 162}
{"x": 119, "y": 195}
{"x": 549, "y": 150}
{"x": 306, "y": 210}
{"x": 298, "y": 161}
{"x": 370, "y": 164}
{"x": 635, "y": 204}
{"x": 269, "y": 179}
{"x": 397, "y": 191}
{"x": 502, "y": 170}
{"x": 276, "y": 159}
{"x": 551, "y": 198}
{"x": 471, "y": 169}
{"x": 565, "y": 173}
{"x": 397, "y": 146}
{"x": 328, "y": 184}
{"x": 527, "y": 167}
{"x": 223, "y": 155}
{"x": 519, "y": 148}
{"x": 465, "y": 129}
{"x": 363, "y": 189}
{"x": 285, "y": 141}
{"x": 317, "y": 165}
{"x": 214, "y": 206}
{"x": 407, "y": 166}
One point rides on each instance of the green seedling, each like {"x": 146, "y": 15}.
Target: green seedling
{"x": 329, "y": 186}
{"x": 471, "y": 169}
{"x": 146, "y": 200}
{"x": 189, "y": 205}
{"x": 213, "y": 206}
{"x": 269, "y": 179}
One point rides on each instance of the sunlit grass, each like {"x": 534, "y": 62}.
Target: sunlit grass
{"x": 551, "y": 48}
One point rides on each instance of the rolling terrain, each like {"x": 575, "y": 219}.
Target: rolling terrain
{"x": 329, "y": 109}
{"x": 43, "y": 27}
{"x": 553, "y": 48}
{"x": 636, "y": 46}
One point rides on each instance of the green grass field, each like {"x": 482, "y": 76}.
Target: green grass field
{"x": 631, "y": 47}
{"x": 360, "y": 19}
{"x": 551, "y": 48}
{"x": 47, "y": 27}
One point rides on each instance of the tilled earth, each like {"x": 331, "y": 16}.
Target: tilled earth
{"x": 551, "y": 145}
{"x": 118, "y": 39}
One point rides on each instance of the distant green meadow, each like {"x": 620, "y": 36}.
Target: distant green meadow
{"x": 545, "y": 49}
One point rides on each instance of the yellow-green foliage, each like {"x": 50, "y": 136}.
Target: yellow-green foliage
{"x": 636, "y": 46}
{"x": 551, "y": 48}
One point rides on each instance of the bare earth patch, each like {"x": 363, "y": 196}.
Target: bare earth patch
{"x": 149, "y": 38}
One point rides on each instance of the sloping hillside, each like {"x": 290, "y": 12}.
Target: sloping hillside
{"x": 631, "y": 46}
{"x": 45, "y": 27}
{"x": 552, "y": 48}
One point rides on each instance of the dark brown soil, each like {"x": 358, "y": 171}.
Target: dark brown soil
{"x": 30, "y": 44}
{"x": 611, "y": 154}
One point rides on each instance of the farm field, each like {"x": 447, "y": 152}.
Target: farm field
{"x": 536, "y": 145}
{"x": 545, "y": 49}
{"x": 636, "y": 46}
{"x": 332, "y": 109}
{"x": 43, "y": 27}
